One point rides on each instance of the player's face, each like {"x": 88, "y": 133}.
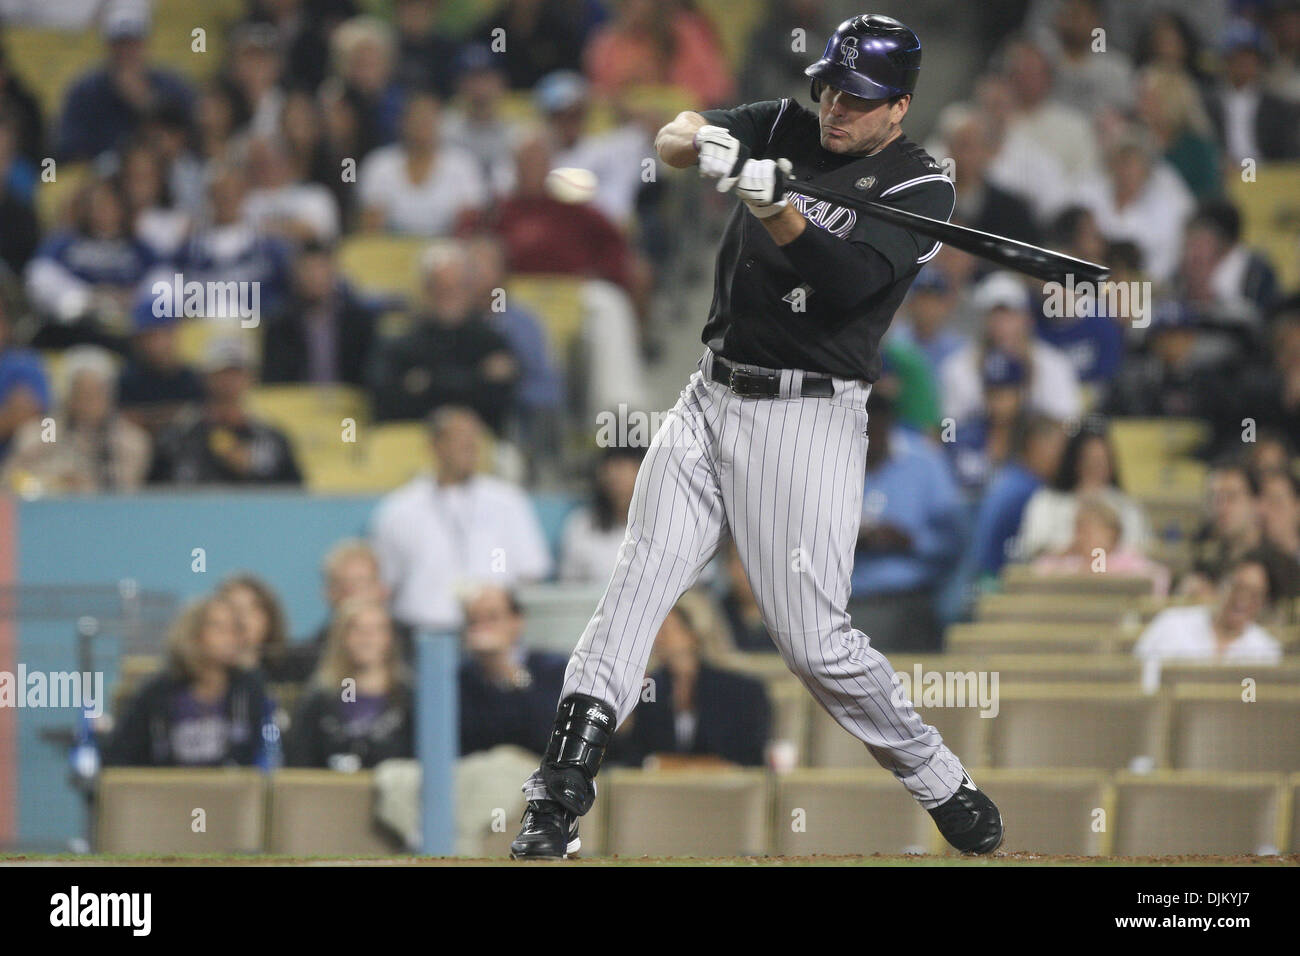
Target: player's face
{"x": 851, "y": 125}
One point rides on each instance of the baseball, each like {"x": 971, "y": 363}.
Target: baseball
{"x": 571, "y": 184}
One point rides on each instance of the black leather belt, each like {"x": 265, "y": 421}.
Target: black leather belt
{"x": 748, "y": 383}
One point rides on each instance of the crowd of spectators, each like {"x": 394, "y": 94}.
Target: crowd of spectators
{"x": 990, "y": 430}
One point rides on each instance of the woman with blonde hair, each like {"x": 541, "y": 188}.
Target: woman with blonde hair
{"x": 359, "y": 709}
{"x": 1170, "y": 107}
{"x": 203, "y": 709}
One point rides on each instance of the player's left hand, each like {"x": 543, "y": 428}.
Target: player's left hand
{"x": 762, "y": 185}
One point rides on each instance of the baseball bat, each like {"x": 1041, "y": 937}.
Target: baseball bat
{"x": 1012, "y": 253}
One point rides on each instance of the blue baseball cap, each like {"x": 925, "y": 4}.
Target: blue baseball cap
{"x": 559, "y": 90}
{"x": 143, "y": 318}
{"x": 1171, "y": 314}
{"x": 930, "y": 279}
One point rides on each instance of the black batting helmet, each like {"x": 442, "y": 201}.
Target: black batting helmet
{"x": 871, "y": 56}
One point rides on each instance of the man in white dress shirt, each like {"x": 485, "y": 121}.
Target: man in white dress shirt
{"x": 439, "y": 535}
{"x": 1226, "y": 631}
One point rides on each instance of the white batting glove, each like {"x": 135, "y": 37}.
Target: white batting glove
{"x": 722, "y": 156}
{"x": 762, "y": 185}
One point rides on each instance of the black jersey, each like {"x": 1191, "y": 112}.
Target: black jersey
{"x": 758, "y": 293}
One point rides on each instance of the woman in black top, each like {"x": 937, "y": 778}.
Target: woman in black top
{"x": 203, "y": 710}
{"x": 358, "y": 710}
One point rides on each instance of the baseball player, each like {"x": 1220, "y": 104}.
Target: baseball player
{"x": 768, "y": 439}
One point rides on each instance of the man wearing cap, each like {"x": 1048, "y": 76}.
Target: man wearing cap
{"x": 1053, "y": 388}
{"x": 222, "y": 443}
{"x": 155, "y": 383}
{"x": 104, "y": 106}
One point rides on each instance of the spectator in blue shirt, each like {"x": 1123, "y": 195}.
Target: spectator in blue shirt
{"x": 106, "y": 105}
{"x": 979, "y": 445}
{"x": 1089, "y": 335}
{"x": 83, "y": 280}
{"x": 910, "y": 535}
{"x": 1037, "y": 448}
{"x": 927, "y": 315}
{"x": 24, "y": 387}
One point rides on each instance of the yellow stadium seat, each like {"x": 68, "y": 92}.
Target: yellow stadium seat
{"x": 383, "y": 264}
{"x": 53, "y": 198}
{"x": 1096, "y": 726}
{"x": 154, "y": 811}
{"x": 1227, "y": 727}
{"x": 1024, "y": 579}
{"x": 1270, "y": 209}
{"x": 1038, "y": 637}
{"x": 1183, "y": 812}
{"x": 49, "y": 60}
{"x": 686, "y": 813}
{"x": 1107, "y": 609}
{"x": 848, "y": 811}
{"x": 1179, "y": 673}
{"x": 194, "y": 337}
{"x": 1293, "y": 794}
{"x": 325, "y": 813}
{"x": 557, "y": 301}
{"x": 791, "y": 712}
{"x": 735, "y": 20}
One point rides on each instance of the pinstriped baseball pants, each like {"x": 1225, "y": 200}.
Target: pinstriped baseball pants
{"x": 785, "y": 477}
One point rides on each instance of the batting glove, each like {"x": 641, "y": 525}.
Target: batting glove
{"x": 762, "y": 185}
{"x": 722, "y": 156}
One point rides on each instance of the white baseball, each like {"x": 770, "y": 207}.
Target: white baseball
{"x": 571, "y": 184}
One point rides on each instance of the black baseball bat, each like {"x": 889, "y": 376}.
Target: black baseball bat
{"x": 1021, "y": 256}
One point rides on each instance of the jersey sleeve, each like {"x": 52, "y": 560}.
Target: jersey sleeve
{"x": 932, "y": 195}
{"x": 753, "y": 124}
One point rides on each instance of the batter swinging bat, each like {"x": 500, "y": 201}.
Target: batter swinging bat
{"x": 1021, "y": 256}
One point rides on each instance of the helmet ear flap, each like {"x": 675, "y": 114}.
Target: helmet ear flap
{"x": 816, "y": 91}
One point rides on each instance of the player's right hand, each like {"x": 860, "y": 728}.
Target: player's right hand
{"x": 722, "y": 156}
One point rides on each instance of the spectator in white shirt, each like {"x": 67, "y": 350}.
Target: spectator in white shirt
{"x": 1063, "y": 131}
{"x": 1141, "y": 198}
{"x": 476, "y": 124}
{"x": 1087, "y": 469}
{"x": 1228, "y": 630}
{"x": 1053, "y": 386}
{"x": 277, "y": 205}
{"x": 418, "y": 186}
{"x": 593, "y": 533}
{"x": 438, "y": 535}
{"x": 616, "y": 156}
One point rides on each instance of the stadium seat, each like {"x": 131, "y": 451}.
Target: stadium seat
{"x": 1038, "y": 637}
{"x": 1098, "y": 726}
{"x": 686, "y": 813}
{"x": 1213, "y": 728}
{"x": 1048, "y": 812}
{"x": 1270, "y": 208}
{"x": 1023, "y": 579}
{"x": 557, "y": 302}
{"x": 1178, "y": 813}
{"x": 1056, "y": 609}
{"x": 1014, "y": 668}
{"x": 325, "y": 813}
{"x": 1175, "y": 517}
{"x": 383, "y": 264}
{"x": 157, "y": 811}
{"x": 1293, "y": 793}
{"x": 1153, "y": 455}
{"x": 555, "y": 615}
{"x": 195, "y": 335}
{"x": 848, "y": 812}
{"x": 49, "y": 60}
{"x": 1176, "y": 673}
{"x": 52, "y": 198}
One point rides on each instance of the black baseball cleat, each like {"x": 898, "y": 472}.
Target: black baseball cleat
{"x": 969, "y": 820}
{"x": 549, "y": 832}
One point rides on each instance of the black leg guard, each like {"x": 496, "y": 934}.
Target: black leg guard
{"x": 583, "y": 727}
